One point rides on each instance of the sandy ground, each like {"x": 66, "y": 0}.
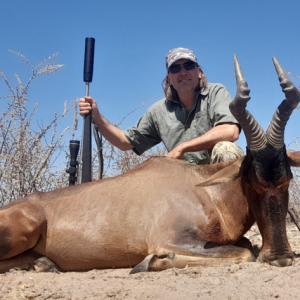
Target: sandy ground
{"x": 242, "y": 281}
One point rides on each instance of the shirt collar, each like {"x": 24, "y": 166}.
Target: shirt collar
{"x": 203, "y": 92}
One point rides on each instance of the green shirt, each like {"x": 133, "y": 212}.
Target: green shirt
{"x": 166, "y": 121}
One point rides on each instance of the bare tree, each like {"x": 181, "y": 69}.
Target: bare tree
{"x": 26, "y": 158}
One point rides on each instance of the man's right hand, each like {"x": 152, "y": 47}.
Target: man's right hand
{"x": 86, "y": 105}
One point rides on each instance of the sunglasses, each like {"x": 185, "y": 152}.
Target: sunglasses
{"x": 190, "y": 65}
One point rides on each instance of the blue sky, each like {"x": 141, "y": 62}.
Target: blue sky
{"x": 132, "y": 39}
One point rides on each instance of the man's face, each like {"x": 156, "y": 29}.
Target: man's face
{"x": 184, "y": 81}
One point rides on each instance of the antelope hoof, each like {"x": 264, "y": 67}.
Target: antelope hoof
{"x": 144, "y": 266}
{"x": 44, "y": 264}
{"x": 282, "y": 262}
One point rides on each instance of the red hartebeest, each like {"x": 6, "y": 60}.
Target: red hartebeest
{"x": 165, "y": 212}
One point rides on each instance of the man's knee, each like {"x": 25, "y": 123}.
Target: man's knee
{"x": 224, "y": 151}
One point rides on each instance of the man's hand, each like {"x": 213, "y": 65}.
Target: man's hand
{"x": 86, "y": 105}
{"x": 177, "y": 152}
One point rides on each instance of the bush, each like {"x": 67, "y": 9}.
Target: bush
{"x": 26, "y": 159}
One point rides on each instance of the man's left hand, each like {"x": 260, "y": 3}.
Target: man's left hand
{"x": 176, "y": 153}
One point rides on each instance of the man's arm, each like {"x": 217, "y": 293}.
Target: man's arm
{"x": 112, "y": 133}
{"x": 223, "y": 132}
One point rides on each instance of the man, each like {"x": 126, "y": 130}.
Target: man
{"x": 191, "y": 121}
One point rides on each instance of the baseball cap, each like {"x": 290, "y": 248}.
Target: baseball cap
{"x": 179, "y": 53}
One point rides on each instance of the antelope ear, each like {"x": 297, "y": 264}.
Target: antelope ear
{"x": 294, "y": 158}
{"x": 228, "y": 174}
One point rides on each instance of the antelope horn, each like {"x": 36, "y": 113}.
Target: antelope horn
{"x": 275, "y": 131}
{"x": 254, "y": 133}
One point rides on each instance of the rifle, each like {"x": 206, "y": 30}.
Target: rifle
{"x": 86, "y": 148}
{"x": 85, "y": 164}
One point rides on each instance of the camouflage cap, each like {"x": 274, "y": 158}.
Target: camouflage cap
{"x": 179, "y": 53}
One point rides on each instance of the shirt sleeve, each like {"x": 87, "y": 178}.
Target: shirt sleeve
{"x": 143, "y": 135}
{"x": 219, "y": 106}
